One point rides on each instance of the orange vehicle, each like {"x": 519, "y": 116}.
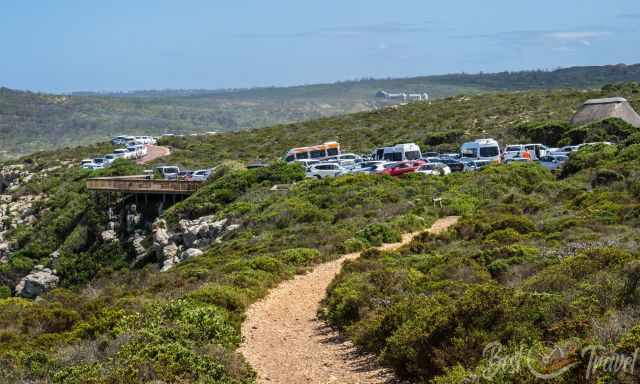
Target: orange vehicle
{"x": 316, "y": 152}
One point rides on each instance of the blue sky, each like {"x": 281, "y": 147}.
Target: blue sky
{"x": 69, "y": 45}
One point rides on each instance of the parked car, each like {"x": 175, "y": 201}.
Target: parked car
{"x": 185, "y": 175}
{"x": 168, "y": 172}
{"x": 122, "y": 139}
{"x": 567, "y": 149}
{"x": 430, "y": 154}
{"x": 453, "y": 164}
{"x": 145, "y": 139}
{"x": 517, "y": 159}
{"x": 322, "y": 170}
{"x": 85, "y": 162}
{"x": 92, "y": 166}
{"x": 121, "y": 153}
{"x": 110, "y": 158}
{"x": 399, "y": 152}
{"x": 347, "y": 160}
{"x": 481, "y": 149}
{"x": 594, "y": 143}
{"x": 479, "y": 164}
{"x": 553, "y": 162}
{"x": 201, "y": 175}
{"x": 373, "y": 167}
{"x": 469, "y": 164}
{"x": 101, "y": 161}
{"x": 307, "y": 163}
{"x": 536, "y": 150}
{"x": 403, "y": 167}
{"x": 512, "y": 150}
{"x": 435, "y": 169}
{"x": 136, "y": 151}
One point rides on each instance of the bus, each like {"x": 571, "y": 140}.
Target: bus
{"x": 316, "y": 152}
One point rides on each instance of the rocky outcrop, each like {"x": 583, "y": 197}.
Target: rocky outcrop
{"x": 39, "y": 281}
{"x": 4, "y": 251}
{"x": 109, "y": 236}
{"x": 140, "y": 252}
{"x": 191, "y": 237}
{"x": 191, "y": 253}
{"x": 169, "y": 257}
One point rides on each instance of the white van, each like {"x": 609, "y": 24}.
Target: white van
{"x": 481, "y": 149}
{"x": 399, "y": 152}
{"x": 168, "y": 172}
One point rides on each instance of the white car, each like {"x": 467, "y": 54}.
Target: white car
{"x": 144, "y": 139}
{"x": 370, "y": 168}
{"x": 201, "y": 175}
{"x": 322, "y": 170}
{"x": 121, "y": 153}
{"x": 121, "y": 140}
{"x": 513, "y": 150}
{"x": 554, "y": 161}
{"x": 92, "y": 166}
{"x": 307, "y": 163}
{"x": 110, "y": 158}
{"x": 436, "y": 169}
{"x": 101, "y": 161}
{"x": 347, "y": 160}
{"x": 85, "y": 162}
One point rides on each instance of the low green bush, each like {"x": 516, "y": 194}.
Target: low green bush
{"x": 378, "y": 234}
{"x": 5, "y": 292}
{"x": 300, "y": 256}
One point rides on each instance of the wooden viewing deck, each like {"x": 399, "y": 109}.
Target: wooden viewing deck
{"x": 140, "y": 184}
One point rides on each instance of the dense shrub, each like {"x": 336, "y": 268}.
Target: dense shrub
{"x": 588, "y": 157}
{"x": 448, "y": 137}
{"x": 520, "y": 224}
{"x": 4, "y": 292}
{"x": 548, "y": 132}
{"x": 300, "y": 256}
{"x": 378, "y": 234}
{"x": 613, "y": 130}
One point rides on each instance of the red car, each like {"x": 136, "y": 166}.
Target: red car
{"x": 402, "y": 167}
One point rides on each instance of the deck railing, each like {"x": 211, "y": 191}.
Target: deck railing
{"x": 139, "y": 184}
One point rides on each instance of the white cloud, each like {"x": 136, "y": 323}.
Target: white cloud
{"x": 577, "y": 36}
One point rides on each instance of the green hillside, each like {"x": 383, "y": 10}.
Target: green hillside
{"x": 31, "y": 121}
{"x": 537, "y": 259}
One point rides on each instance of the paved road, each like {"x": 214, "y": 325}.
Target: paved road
{"x": 286, "y": 343}
{"x": 154, "y": 152}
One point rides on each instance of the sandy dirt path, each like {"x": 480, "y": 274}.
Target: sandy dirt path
{"x": 154, "y": 152}
{"x": 286, "y": 343}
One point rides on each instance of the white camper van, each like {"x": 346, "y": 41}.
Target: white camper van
{"x": 481, "y": 149}
{"x": 399, "y": 152}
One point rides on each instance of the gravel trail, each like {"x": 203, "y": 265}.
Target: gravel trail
{"x": 154, "y": 152}
{"x": 286, "y": 343}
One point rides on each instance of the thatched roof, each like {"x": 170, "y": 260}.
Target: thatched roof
{"x": 600, "y": 109}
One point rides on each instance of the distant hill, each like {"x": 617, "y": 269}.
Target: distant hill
{"x": 33, "y": 121}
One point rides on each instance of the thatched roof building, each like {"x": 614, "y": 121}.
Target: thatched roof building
{"x": 600, "y": 109}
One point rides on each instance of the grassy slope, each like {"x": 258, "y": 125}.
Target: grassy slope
{"x": 31, "y": 122}
{"x": 140, "y": 325}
